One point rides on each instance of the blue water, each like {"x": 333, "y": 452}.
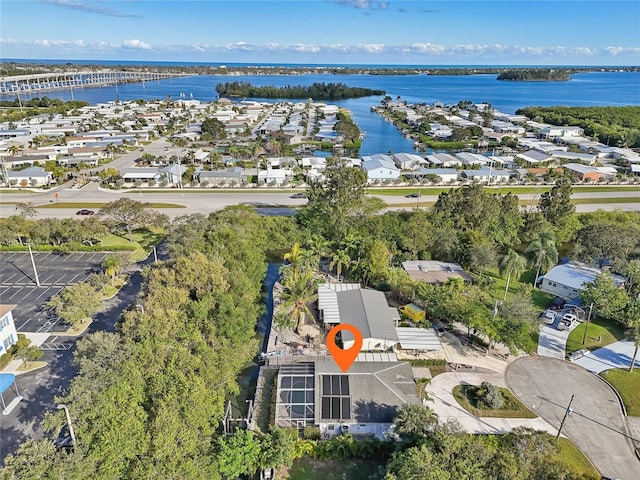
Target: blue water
{"x": 584, "y": 89}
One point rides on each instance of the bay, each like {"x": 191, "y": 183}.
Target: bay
{"x": 584, "y": 89}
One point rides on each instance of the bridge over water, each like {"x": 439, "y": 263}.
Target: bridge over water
{"x": 44, "y": 82}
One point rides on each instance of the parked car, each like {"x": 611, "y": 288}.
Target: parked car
{"x": 299, "y": 195}
{"x": 567, "y": 321}
{"x": 549, "y": 316}
{"x": 578, "y": 354}
{"x": 413, "y": 195}
{"x": 84, "y": 211}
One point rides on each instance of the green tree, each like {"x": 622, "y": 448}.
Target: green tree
{"x": 279, "y": 448}
{"x": 128, "y": 214}
{"x": 413, "y": 422}
{"x": 542, "y": 254}
{"x": 238, "y": 454}
{"x": 28, "y": 354}
{"x": 75, "y": 303}
{"x": 26, "y": 210}
{"x": 608, "y": 299}
{"x": 557, "y": 209}
{"x": 509, "y": 265}
{"x": 112, "y": 266}
{"x": 215, "y": 128}
{"x": 339, "y": 260}
{"x": 299, "y": 292}
{"x": 633, "y": 334}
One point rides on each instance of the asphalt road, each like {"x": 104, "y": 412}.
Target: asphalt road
{"x": 214, "y": 200}
{"x": 596, "y": 425}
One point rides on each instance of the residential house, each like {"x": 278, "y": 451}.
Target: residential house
{"x": 584, "y": 158}
{"x": 469, "y": 159}
{"x": 408, "y": 161}
{"x": 487, "y": 175}
{"x": 362, "y": 402}
{"x": 365, "y": 309}
{"x": 568, "y": 280}
{"x": 533, "y": 157}
{"x": 30, "y": 177}
{"x": 8, "y": 333}
{"x": 218, "y": 177}
{"x": 552, "y": 131}
{"x": 443, "y": 160}
{"x": 379, "y": 167}
{"x": 433, "y": 271}
{"x": 445, "y": 175}
{"x": 583, "y": 172}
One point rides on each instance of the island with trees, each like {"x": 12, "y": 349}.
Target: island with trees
{"x": 317, "y": 91}
{"x": 536, "y": 75}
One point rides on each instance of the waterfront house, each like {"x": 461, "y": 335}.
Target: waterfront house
{"x": 408, "y": 161}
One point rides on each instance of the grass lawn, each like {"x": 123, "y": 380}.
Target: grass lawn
{"x": 14, "y": 190}
{"x": 313, "y": 469}
{"x": 575, "y": 459}
{"x": 512, "y": 408}
{"x": 589, "y": 201}
{"x": 108, "y": 290}
{"x": 501, "y": 189}
{"x": 600, "y": 333}
{"x": 627, "y": 385}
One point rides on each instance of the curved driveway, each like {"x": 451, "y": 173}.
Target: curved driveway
{"x": 597, "y": 425}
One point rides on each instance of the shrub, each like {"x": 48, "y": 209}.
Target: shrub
{"x": 5, "y": 358}
{"x": 489, "y": 396}
{"x": 428, "y": 362}
{"x": 311, "y": 433}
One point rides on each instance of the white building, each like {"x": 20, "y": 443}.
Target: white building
{"x": 367, "y": 310}
{"x": 30, "y": 177}
{"x": 8, "y": 334}
{"x": 568, "y": 280}
{"x": 379, "y": 167}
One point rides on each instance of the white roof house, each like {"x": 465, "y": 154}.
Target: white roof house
{"x": 568, "y": 280}
{"x": 408, "y": 161}
{"x": 471, "y": 158}
{"x": 30, "y": 177}
{"x": 443, "y": 160}
{"x": 533, "y": 156}
{"x": 486, "y": 174}
{"x": 379, "y": 167}
{"x": 446, "y": 175}
{"x": 365, "y": 309}
{"x": 585, "y": 158}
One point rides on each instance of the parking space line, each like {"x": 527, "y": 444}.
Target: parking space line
{"x": 16, "y": 292}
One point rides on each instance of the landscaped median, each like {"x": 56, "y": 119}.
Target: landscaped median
{"x": 487, "y": 400}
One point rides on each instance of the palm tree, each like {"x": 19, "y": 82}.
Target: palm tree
{"x": 295, "y": 258}
{"x": 542, "y": 254}
{"x": 111, "y": 267}
{"x": 413, "y": 421}
{"x": 633, "y": 334}
{"x": 511, "y": 264}
{"x": 299, "y": 292}
{"x": 339, "y": 260}
{"x": 319, "y": 246}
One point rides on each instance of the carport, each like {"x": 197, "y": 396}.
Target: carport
{"x": 7, "y": 380}
{"x": 423, "y": 339}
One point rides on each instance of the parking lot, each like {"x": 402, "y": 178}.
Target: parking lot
{"x": 54, "y": 271}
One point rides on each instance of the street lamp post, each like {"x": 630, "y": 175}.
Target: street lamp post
{"x": 155, "y": 254}
{"x": 62, "y": 406}
{"x": 33, "y": 263}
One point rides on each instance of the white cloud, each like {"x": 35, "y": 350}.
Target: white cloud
{"x": 370, "y": 52}
{"x": 137, "y": 44}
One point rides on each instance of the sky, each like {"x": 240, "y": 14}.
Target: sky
{"x": 452, "y": 32}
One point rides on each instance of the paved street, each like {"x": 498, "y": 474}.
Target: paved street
{"x": 18, "y": 286}
{"x": 216, "y": 199}
{"x": 596, "y": 426}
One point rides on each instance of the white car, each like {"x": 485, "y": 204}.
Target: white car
{"x": 549, "y": 316}
{"x": 567, "y": 321}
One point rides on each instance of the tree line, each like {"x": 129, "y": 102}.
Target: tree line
{"x": 614, "y": 126}
{"x": 317, "y": 91}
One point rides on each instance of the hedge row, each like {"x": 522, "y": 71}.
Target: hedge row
{"x": 428, "y": 362}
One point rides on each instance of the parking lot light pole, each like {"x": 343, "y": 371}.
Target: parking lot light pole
{"x": 33, "y": 263}
{"x": 62, "y": 406}
{"x": 584, "y": 335}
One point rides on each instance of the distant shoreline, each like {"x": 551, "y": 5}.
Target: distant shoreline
{"x": 12, "y": 68}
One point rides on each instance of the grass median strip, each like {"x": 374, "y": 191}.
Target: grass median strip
{"x": 100, "y": 205}
{"x": 627, "y": 384}
{"x": 466, "y": 396}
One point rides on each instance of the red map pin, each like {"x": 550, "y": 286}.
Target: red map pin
{"x": 344, "y": 358}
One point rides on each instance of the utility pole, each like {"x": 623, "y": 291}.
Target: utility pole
{"x": 155, "y": 254}
{"x": 62, "y": 406}
{"x": 584, "y": 336}
{"x": 566, "y": 413}
{"x": 33, "y": 263}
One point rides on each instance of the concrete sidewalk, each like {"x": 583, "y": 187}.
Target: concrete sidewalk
{"x": 455, "y": 352}
{"x": 616, "y": 355}
{"x": 447, "y": 408}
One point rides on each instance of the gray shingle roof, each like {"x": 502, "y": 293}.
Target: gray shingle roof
{"x": 369, "y": 312}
